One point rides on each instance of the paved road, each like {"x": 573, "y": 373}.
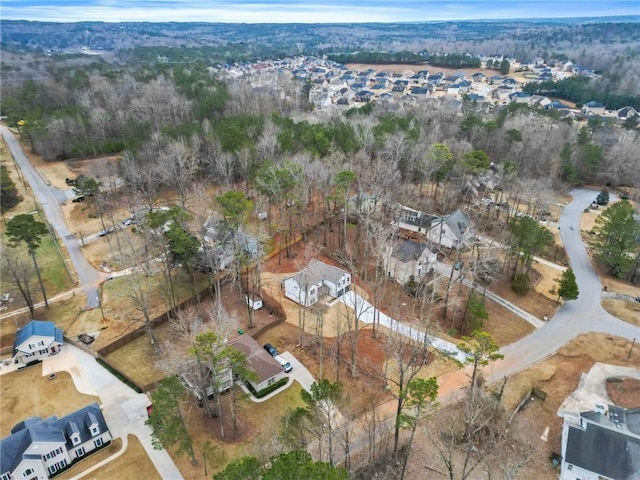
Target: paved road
{"x": 88, "y": 276}
{"x": 575, "y": 317}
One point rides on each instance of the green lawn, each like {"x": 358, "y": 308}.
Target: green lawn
{"x": 55, "y": 275}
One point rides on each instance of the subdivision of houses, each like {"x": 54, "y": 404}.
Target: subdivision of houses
{"x": 37, "y": 340}
{"x": 407, "y": 259}
{"x": 600, "y": 441}
{"x": 38, "y": 448}
{"x": 317, "y": 280}
{"x": 268, "y": 371}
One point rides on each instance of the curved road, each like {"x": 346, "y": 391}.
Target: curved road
{"x": 575, "y": 317}
{"x": 88, "y": 276}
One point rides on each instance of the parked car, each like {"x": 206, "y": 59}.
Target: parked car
{"x": 128, "y": 221}
{"x": 271, "y": 349}
{"x": 285, "y": 365}
{"x": 106, "y": 231}
{"x": 78, "y": 199}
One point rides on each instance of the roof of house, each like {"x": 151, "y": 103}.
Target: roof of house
{"x": 49, "y": 430}
{"x": 258, "y": 360}
{"x": 603, "y": 450}
{"x": 625, "y": 112}
{"x": 407, "y": 251}
{"x": 594, "y": 104}
{"x": 37, "y": 328}
{"x": 457, "y": 222}
{"x": 317, "y": 272}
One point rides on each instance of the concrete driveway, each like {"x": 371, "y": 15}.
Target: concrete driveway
{"x": 123, "y": 408}
{"x": 299, "y": 372}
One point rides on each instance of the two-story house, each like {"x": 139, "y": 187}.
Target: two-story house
{"x": 319, "y": 279}
{"x": 38, "y": 448}
{"x": 36, "y": 340}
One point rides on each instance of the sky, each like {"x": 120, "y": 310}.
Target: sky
{"x": 302, "y": 11}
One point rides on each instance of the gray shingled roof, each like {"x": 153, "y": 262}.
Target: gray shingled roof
{"x": 458, "y": 223}
{"x": 50, "y": 430}
{"x": 604, "y": 451}
{"x": 316, "y": 272}
{"x": 408, "y": 250}
{"x": 37, "y": 327}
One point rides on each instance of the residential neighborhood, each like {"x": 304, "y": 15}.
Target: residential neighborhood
{"x": 345, "y": 251}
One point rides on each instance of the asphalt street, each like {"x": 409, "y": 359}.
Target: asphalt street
{"x": 575, "y": 317}
{"x": 88, "y": 277}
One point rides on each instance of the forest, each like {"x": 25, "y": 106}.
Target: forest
{"x": 182, "y": 135}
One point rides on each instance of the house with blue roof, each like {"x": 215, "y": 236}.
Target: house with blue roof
{"x": 39, "y": 448}
{"x": 37, "y": 340}
{"x": 593, "y": 108}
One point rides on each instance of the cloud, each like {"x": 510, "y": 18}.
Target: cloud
{"x": 289, "y": 11}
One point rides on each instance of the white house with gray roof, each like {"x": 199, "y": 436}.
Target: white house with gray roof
{"x": 449, "y": 231}
{"x": 36, "y": 340}
{"x": 38, "y": 448}
{"x": 408, "y": 259}
{"x": 317, "y": 280}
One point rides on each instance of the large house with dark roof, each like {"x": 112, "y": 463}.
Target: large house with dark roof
{"x": 449, "y": 231}
{"x": 37, "y": 340}
{"x": 268, "y": 371}
{"x": 408, "y": 259}
{"x": 38, "y": 448}
{"x": 603, "y": 445}
{"x": 319, "y": 279}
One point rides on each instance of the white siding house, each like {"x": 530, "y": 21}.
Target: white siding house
{"x": 36, "y": 340}
{"x": 408, "y": 259}
{"x": 318, "y": 279}
{"x": 449, "y": 231}
{"x": 38, "y": 448}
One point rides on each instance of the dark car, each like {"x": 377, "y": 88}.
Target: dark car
{"x": 271, "y": 349}
{"x": 78, "y": 199}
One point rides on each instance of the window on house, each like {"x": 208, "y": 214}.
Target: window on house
{"x": 27, "y": 472}
{"x": 75, "y": 439}
{"x": 5, "y": 476}
{"x": 32, "y": 346}
{"x": 271, "y": 381}
{"x": 40, "y": 343}
{"x": 94, "y": 430}
{"x": 42, "y": 352}
{"x": 52, "y": 469}
{"x": 98, "y": 442}
{"x": 80, "y": 452}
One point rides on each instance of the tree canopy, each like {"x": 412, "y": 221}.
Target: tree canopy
{"x": 615, "y": 237}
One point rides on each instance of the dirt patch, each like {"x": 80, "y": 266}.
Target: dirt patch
{"x": 624, "y": 392}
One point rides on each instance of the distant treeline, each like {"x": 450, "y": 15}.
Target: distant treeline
{"x": 454, "y": 60}
{"x": 581, "y": 90}
{"x": 378, "y": 58}
{"x": 449, "y": 60}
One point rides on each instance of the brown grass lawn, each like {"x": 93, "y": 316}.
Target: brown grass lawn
{"x": 27, "y": 204}
{"x": 137, "y": 358}
{"x": 627, "y": 310}
{"x": 91, "y": 460}
{"x": 535, "y": 302}
{"x": 133, "y": 463}
{"x": 558, "y": 376}
{"x": 44, "y": 398}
